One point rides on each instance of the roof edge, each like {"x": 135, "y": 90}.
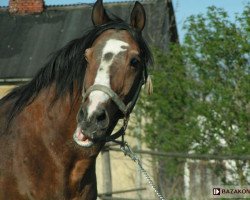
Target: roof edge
{"x": 74, "y": 5}
{"x": 90, "y": 4}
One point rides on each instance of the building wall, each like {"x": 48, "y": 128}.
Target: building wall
{"x": 4, "y": 89}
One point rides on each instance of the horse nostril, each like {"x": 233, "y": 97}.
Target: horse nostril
{"x": 101, "y": 116}
{"x": 102, "y": 119}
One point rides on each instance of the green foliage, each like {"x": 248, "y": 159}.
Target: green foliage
{"x": 217, "y": 55}
{"x": 201, "y": 99}
{"x": 167, "y": 107}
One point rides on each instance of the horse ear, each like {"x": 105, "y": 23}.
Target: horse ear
{"x": 99, "y": 15}
{"x": 138, "y": 16}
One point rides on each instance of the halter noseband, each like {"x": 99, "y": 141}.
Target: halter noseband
{"x": 125, "y": 109}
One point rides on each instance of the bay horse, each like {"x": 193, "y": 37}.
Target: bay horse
{"x": 52, "y": 128}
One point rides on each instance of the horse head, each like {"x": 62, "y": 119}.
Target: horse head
{"x": 115, "y": 73}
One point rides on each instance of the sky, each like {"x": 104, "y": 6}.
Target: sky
{"x": 183, "y": 8}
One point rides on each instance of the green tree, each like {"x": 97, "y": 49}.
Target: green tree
{"x": 217, "y": 59}
{"x": 165, "y": 119}
{"x": 201, "y": 99}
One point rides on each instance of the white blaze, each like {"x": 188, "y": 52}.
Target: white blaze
{"x": 114, "y": 47}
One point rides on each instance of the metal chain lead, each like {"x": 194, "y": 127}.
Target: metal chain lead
{"x": 127, "y": 151}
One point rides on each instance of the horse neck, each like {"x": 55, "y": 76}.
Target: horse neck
{"x": 53, "y": 122}
{"x": 59, "y": 114}
{"x": 46, "y": 131}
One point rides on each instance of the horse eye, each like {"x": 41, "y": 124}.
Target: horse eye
{"x": 134, "y": 62}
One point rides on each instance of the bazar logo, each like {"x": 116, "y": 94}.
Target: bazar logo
{"x": 231, "y": 191}
{"x": 216, "y": 191}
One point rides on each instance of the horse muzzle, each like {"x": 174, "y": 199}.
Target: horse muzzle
{"x": 95, "y": 128}
{"x": 91, "y": 128}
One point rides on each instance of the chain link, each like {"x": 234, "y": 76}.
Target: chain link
{"x": 128, "y": 152}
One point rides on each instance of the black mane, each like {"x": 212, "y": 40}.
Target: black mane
{"x": 66, "y": 68}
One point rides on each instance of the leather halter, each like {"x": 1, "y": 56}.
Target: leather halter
{"x": 125, "y": 109}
